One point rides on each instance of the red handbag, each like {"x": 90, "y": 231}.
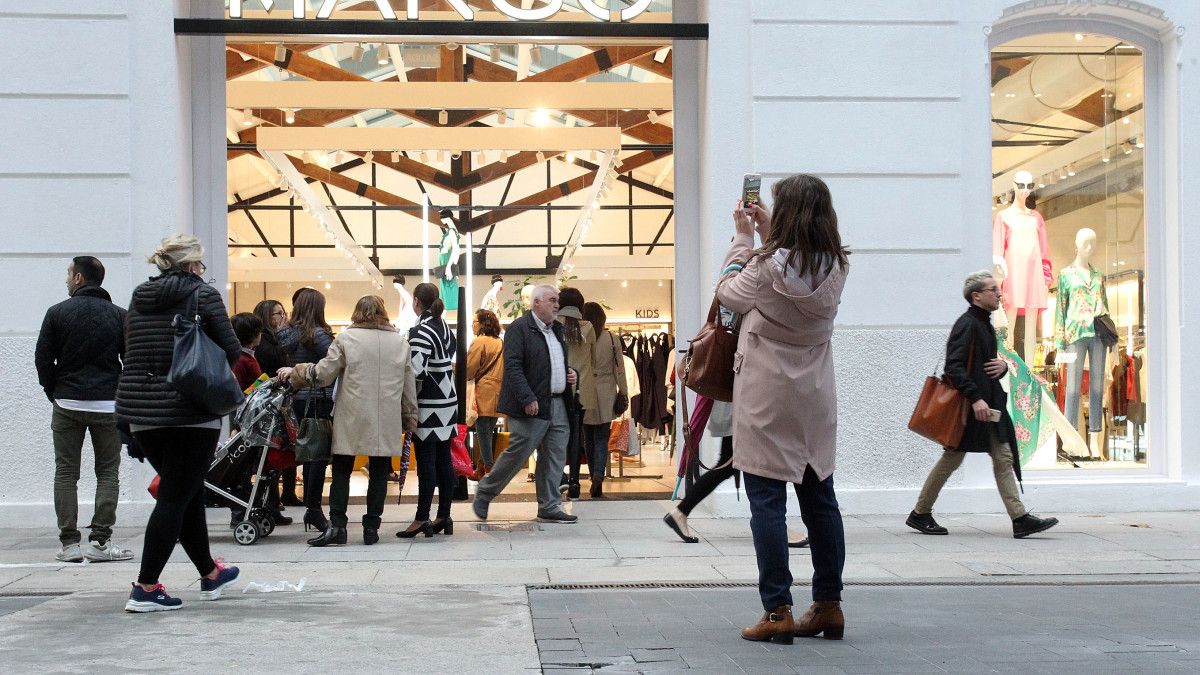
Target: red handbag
{"x": 460, "y": 457}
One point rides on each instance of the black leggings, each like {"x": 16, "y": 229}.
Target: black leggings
{"x": 434, "y": 470}
{"x": 181, "y": 456}
{"x": 705, "y": 484}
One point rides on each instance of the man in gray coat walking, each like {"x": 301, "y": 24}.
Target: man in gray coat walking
{"x": 533, "y": 394}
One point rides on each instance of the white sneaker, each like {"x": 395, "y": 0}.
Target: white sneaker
{"x": 106, "y": 552}
{"x": 69, "y": 553}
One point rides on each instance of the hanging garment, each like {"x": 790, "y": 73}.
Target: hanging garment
{"x": 1024, "y": 401}
{"x": 447, "y": 270}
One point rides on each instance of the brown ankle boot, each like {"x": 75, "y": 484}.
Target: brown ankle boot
{"x": 823, "y": 616}
{"x": 774, "y": 626}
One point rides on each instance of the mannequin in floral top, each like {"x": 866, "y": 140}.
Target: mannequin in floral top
{"x": 1082, "y": 297}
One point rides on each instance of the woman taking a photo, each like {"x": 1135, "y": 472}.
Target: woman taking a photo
{"x": 177, "y": 437}
{"x": 485, "y": 367}
{"x": 580, "y": 339}
{"x": 306, "y": 339}
{"x": 433, "y": 345}
{"x": 376, "y": 382}
{"x": 608, "y": 375}
{"x": 793, "y": 284}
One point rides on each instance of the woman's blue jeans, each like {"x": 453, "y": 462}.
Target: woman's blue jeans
{"x": 768, "y": 523}
{"x": 1093, "y": 349}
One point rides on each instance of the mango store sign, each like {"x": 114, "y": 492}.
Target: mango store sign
{"x": 506, "y": 7}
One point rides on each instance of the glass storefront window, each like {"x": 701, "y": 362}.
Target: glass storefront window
{"x": 1068, "y": 236}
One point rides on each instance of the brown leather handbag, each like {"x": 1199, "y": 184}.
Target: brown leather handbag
{"x": 708, "y": 366}
{"x": 941, "y": 412}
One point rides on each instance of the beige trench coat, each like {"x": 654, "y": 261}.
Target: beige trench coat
{"x": 784, "y": 395}
{"x": 608, "y": 366}
{"x": 377, "y": 394}
{"x": 579, "y": 359}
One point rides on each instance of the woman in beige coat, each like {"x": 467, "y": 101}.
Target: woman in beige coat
{"x": 784, "y": 395}
{"x": 580, "y": 339}
{"x": 608, "y": 368}
{"x": 376, "y": 403}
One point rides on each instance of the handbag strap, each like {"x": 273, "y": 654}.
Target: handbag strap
{"x": 687, "y": 432}
{"x": 310, "y": 376}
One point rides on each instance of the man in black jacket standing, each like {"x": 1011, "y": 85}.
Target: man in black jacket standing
{"x": 78, "y": 358}
{"x": 533, "y": 394}
{"x": 975, "y": 370}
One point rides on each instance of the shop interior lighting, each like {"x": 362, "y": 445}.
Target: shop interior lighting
{"x": 424, "y": 157}
{"x": 457, "y": 155}
{"x": 247, "y": 118}
{"x": 396, "y": 157}
{"x": 571, "y": 157}
{"x": 504, "y": 156}
{"x": 1105, "y": 158}
{"x": 1071, "y": 169}
{"x": 1141, "y": 141}
{"x": 369, "y": 157}
{"x": 280, "y": 53}
{"x": 535, "y": 54}
{"x": 652, "y": 116}
{"x": 1042, "y": 182}
{"x": 1062, "y": 173}
{"x": 358, "y": 52}
{"x": 541, "y": 117}
{"x": 495, "y": 52}
{"x": 1079, "y": 37}
{"x": 381, "y": 55}
{"x": 289, "y": 115}
{"x": 441, "y": 156}
{"x": 1127, "y": 147}
{"x": 1125, "y": 119}
{"x": 661, "y": 55}
{"x": 541, "y": 156}
{"x": 452, "y": 46}
{"x": 501, "y": 117}
{"x": 443, "y": 117}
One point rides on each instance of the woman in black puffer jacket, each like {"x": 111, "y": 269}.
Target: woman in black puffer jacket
{"x": 177, "y": 438}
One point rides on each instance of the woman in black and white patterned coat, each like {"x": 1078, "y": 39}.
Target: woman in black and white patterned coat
{"x": 433, "y": 346}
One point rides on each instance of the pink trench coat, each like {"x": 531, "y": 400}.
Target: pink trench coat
{"x": 784, "y": 395}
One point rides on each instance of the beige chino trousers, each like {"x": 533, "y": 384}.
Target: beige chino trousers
{"x": 1002, "y": 468}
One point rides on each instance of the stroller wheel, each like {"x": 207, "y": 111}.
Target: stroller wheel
{"x": 246, "y": 533}
{"x": 266, "y": 525}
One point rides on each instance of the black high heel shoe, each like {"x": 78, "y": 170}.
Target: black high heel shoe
{"x": 443, "y": 525}
{"x": 332, "y": 536}
{"x": 370, "y": 535}
{"x": 409, "y": 534}
{"x": 315, "y": 519}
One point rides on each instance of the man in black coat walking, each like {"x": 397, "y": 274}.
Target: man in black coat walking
{"x": 974, "y": 368}
{"x": 78, "y": 359}
{"x": 533, "y": 394}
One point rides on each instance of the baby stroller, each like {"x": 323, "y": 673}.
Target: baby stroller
{"x": 262, "y": 445}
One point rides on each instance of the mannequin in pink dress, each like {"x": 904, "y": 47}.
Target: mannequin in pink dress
{"x": 1019, "y": 239}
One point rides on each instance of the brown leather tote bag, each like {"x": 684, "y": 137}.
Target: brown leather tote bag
{"x": 941, "y": 412}
{"x": 708, "y": 366}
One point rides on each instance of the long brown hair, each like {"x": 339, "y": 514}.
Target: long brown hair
{"x": 308, "y": 314}
{"x": 431, "y": 299}
{"x": 803, "y": 222}
{"x": 263, "y": 310}
{"x": 489, "y": 323}
{"x": 571, "y": 297}
{"x": 370, "y": 311}
{"x": 594, "y": 313}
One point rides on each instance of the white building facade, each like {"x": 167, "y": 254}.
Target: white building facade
{"x": 110, "y": 148}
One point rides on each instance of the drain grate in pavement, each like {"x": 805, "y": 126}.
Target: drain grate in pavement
{"x": 507, "y": 527}
{"x": 658, "y": 585}
{"x": 34, "y": 594}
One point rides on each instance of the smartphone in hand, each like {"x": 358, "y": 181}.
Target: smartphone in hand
{"x": 751, "y": 183}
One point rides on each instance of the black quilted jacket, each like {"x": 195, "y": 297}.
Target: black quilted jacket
{"x": 78, "y": 353}
{"x": 143, "y": 396}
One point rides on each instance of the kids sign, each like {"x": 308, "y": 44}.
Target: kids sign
{"x": 509, "y": 8}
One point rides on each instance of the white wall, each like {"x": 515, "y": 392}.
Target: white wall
{"x": 91, "y": 166}
{"x": 888, "y": 102}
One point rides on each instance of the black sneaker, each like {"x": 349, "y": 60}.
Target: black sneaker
{"x": 154, "y": 600}
{"x": 557, "y": 517}
{"x": 924, "y": 523}
{"x": 1030, "y": 524}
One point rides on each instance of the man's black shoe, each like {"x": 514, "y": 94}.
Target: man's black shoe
{"x": 925, "y": 524}
{"x": 1030, "y": 524}
{"x": 557, "y": 517}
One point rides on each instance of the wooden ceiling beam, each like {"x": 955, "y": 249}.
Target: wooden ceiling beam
{"x": 559, "y": 191}
{"x": 344, "y": 182}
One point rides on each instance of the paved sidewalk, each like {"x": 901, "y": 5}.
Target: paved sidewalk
{"x": 471, "y": 602}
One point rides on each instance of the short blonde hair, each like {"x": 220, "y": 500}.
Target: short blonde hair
{"x": 370, "y": 309}
{"x": 176, "y": 251}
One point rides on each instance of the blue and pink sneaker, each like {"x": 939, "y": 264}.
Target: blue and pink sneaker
{"x": 153, "y": 600}
{"x": 210, "y": 589}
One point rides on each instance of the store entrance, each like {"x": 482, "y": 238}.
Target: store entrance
{"x": 359, "y": 168}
